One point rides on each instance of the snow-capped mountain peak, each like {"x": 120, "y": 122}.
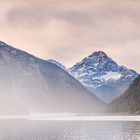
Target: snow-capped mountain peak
{"x": 102, "y": 75}
{"x": 99, "y": 60}
{"x": 99, "y": 54}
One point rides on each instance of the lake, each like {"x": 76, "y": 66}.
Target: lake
{"x": 21, "y": 129}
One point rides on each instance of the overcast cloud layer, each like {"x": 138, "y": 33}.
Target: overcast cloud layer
{"x": 68, "y": 30}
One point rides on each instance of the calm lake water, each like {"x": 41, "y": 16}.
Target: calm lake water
{"x": 68, "y": 130}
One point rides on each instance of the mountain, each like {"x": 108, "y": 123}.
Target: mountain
{"x": 129, "y": 102}
{"x": 57, "y": 63}
{"x": 103, "y": 76}
{"x": 30, "y": 85}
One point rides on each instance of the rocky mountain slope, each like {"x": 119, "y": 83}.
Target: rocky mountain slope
{"x": 129, "y": 102}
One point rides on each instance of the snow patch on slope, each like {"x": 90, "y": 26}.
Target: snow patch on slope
{"x": 111, "y": 76}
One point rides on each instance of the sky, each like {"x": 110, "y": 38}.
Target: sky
{"x": 69, "y": 30}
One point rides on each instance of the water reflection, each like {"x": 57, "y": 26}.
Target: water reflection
{"x": 63, "y": 130}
